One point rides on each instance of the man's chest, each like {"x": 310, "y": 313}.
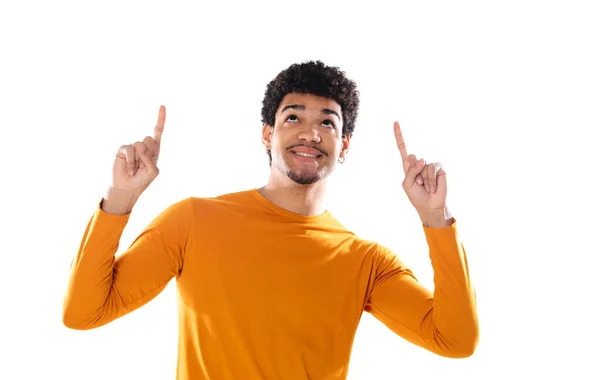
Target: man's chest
{"x": 295, "y": 277}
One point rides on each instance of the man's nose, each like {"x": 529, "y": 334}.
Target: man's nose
{"x": 310, "y": 133}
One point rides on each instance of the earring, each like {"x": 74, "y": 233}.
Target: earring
{"x": 341, "y": 160}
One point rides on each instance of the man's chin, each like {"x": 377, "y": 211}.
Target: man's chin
{"x": 303, "y": 178}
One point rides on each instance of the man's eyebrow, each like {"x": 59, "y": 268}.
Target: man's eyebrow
{"x": 327, "y": 111}
{"x": 300, "y": 107}
{"x": 293, "y": 106}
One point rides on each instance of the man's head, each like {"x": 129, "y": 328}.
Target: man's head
{"x": 309, "y": 113}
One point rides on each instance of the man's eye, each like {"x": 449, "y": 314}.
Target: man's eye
{"x": 328, "y": 123}
{"x": 292, "y": 118}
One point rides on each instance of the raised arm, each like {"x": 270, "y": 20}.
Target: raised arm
{"x": 445, "y": 321}
{"x": 103, "y": 287}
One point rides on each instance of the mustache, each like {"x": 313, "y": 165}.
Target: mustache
{"x": 309, "y": 146}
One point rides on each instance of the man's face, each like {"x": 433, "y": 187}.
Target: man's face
{"x": 306, "y": 140}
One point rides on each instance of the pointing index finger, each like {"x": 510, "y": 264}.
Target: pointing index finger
{"x": 400, "y": 142}
{"x": 160, "y": 124}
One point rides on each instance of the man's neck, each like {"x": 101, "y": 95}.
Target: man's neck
{"x": 300, "y": 199}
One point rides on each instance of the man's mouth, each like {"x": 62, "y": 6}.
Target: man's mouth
{"x": 307, "y": 151}
{"x": 307, "y": 154}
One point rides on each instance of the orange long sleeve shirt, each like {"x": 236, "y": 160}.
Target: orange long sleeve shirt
{"x": 264, "y": 293}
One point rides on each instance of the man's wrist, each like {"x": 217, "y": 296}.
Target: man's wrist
{"x": 118, "y": 202}
{"x": 438, "y": 218}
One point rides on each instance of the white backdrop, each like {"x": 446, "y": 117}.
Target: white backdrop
{"x": 505, "y": 95}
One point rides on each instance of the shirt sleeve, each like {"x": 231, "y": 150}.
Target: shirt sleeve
{"x": 443, "y": 321}
{"x": 103, "y": 287}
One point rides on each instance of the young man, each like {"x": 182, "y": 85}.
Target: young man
{"x": 270, "y": 284}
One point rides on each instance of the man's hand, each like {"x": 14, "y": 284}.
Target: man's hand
{"x": 425, "y": 186}
{"x": 134, "y": 168}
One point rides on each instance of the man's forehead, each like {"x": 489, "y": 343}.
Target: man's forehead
{"x": 309, "y": 101}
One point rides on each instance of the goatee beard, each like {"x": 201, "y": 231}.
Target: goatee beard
{"x": 302, "y": 178}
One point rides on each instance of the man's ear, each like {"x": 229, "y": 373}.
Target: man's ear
{"x": 267, "y": 134}
{"x": 345, "y": 146}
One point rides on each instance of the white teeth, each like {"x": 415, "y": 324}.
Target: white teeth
{"x": 305, "y": 154}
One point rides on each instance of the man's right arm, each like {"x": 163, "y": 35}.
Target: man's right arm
{"x": 103, "y": 287}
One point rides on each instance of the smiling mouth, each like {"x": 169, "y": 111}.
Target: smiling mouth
{"x": 302, "y": 154}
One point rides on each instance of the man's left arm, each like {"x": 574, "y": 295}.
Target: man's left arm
{"x": 444, "y": 322}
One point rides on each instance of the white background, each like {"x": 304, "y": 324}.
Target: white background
{"x": 504, "y": 94}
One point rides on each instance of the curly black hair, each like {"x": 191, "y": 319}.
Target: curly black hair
{"x": 313, "y": 77}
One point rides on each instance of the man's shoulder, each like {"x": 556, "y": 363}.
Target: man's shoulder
{"x": 229, "y": 200}
{"x": 196, "y": 201}
{"x": 240, "y": 196}
{"x": 235, "y": 196}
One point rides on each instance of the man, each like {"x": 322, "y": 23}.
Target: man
{"x": 270, "y": 284}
